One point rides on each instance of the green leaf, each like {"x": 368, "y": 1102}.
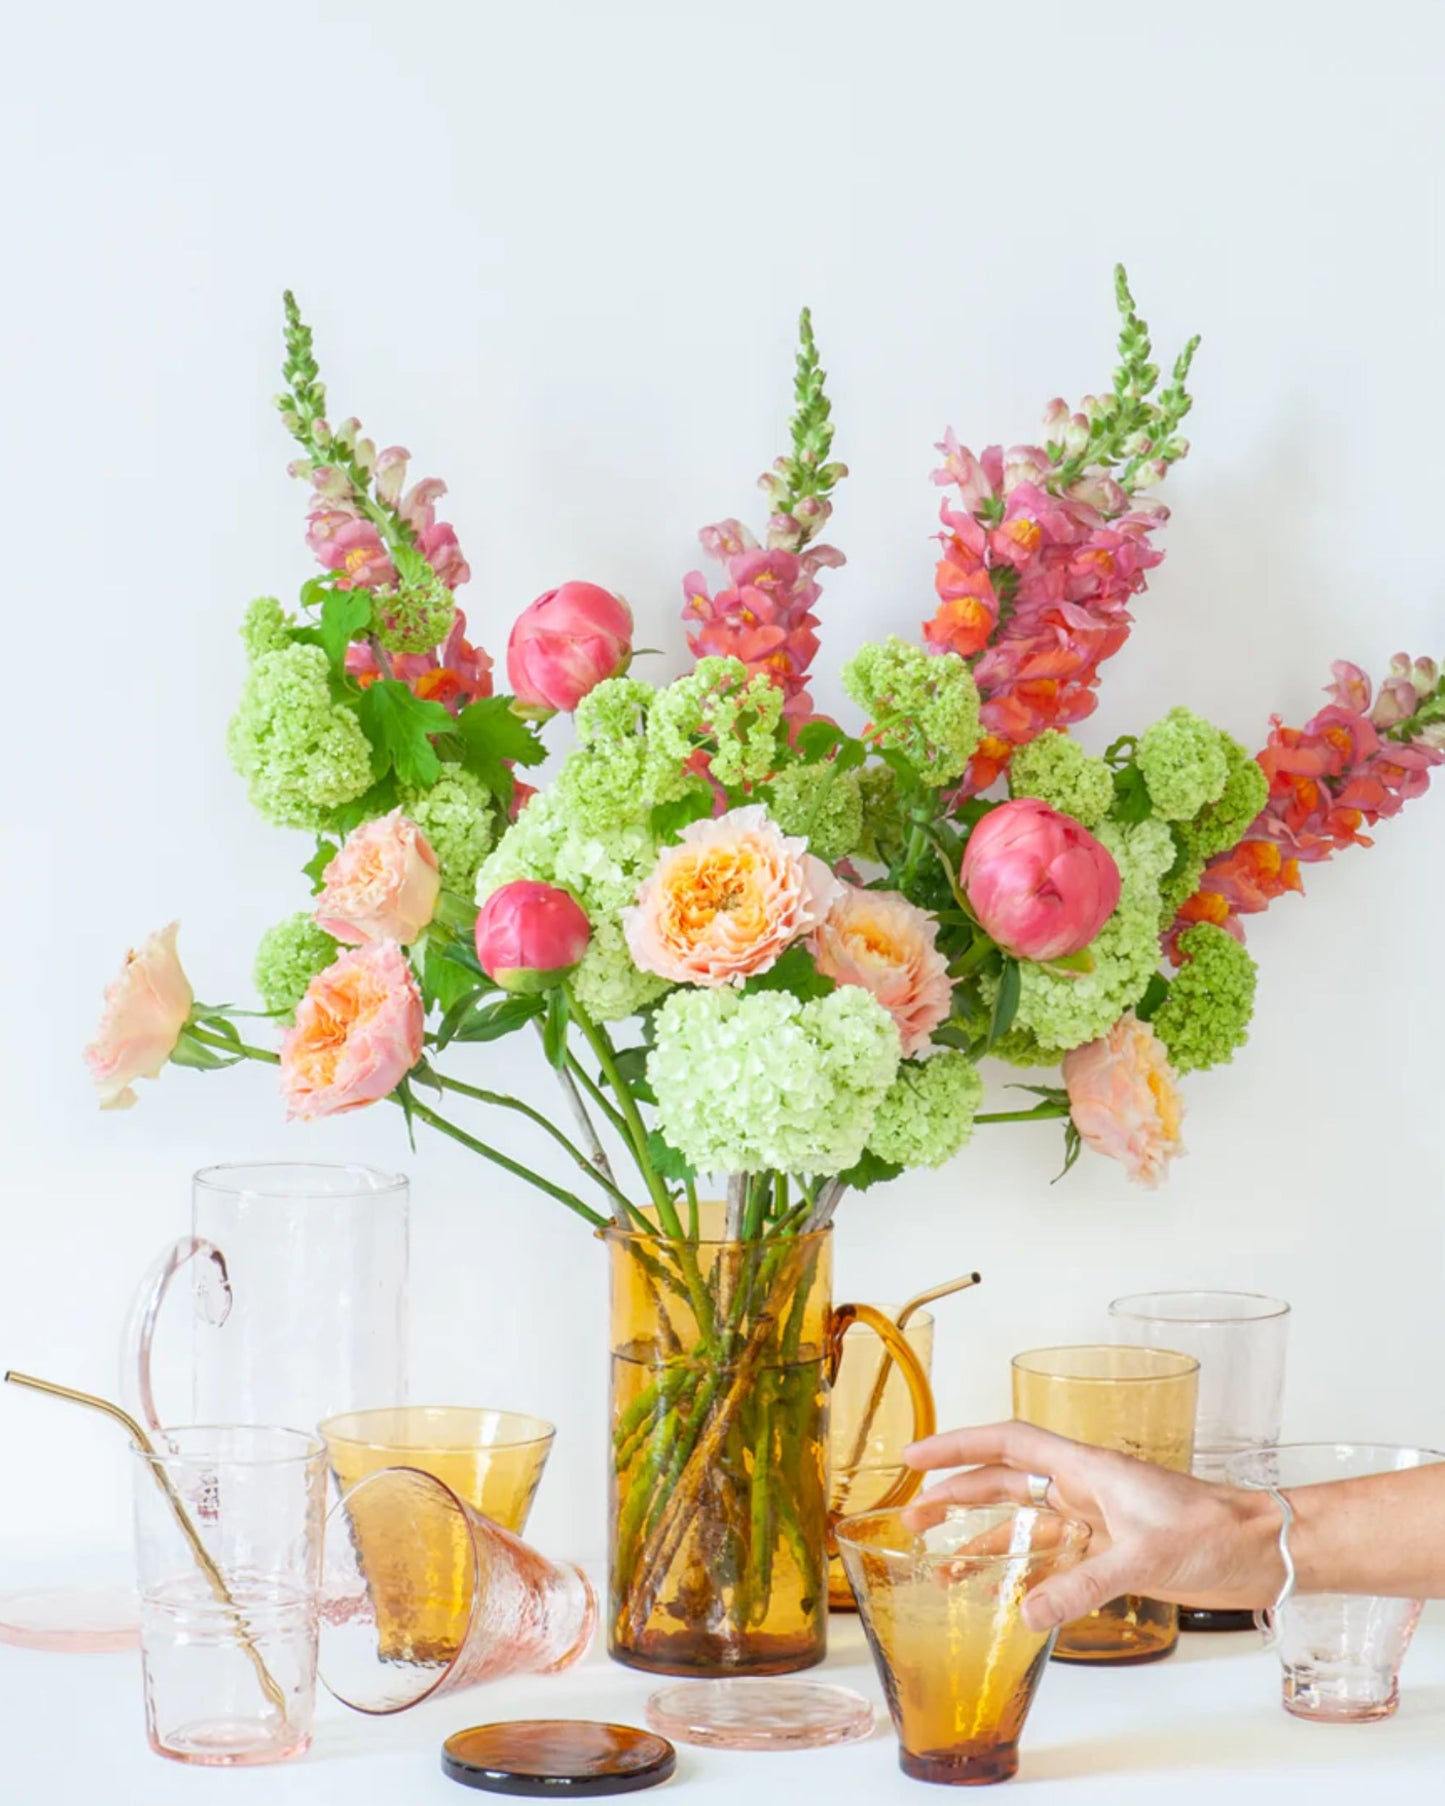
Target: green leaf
{"x": 632, "y": 1070}
{"x": 403, "y": 1096}
{"x": 381, "y": 799}
{"x": 818, "y": 738}
{"x": 195, "y": 1054}
{"x": 1005, "y": 1008}
{"x": 490, "y": 736}
{"x": 1120, "y": 751}
{"x": 1155, "y": 993}
{"x": 1073, "y": 1147}
{"x": 667, "y": 1163}
{"x": 447, "y": 978}
{"x": 326, "y": 851}
{"x": 475, "y": 1020}
{"x": 870, "y": 1170}
{"x": 554, "y": 1029}
{"x": 398, "y": 725}
{"x": 794, "y": 972}
{"x": 668, "y": 820}
{"x": 1070, "y": 965}
{"x": 1132, "y": 801}
{"x": 345, "y": 616}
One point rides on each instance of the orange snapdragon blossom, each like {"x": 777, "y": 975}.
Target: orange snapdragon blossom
{"x": 727, "y": 900}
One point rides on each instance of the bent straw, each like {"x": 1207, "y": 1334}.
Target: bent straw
{"x": 913, "y": 1306}
{"x": 204, "y": 1561}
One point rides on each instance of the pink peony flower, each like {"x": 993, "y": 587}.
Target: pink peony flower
{"x": 1124, "y": 1099}
{"x": 530, "y": 935}
{"x": 358, "y": 1033}
{"x": 145, "y": 1010}
{"x": 727, "y": 901}
{"x": 382, "y": 886}
{"x": 881, "y": 941}
{"x": 565, "y": 644}
{"x": 1039, "y": 883}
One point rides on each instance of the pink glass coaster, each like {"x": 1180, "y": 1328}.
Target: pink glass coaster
{"x": 82, "y": 1620}
{"x": 757, "y": 1713}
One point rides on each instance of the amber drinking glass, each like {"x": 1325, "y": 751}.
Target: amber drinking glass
{"x": 491, "y": 1459}
{"x": 941, "y": 1606}
{"x": 1239, "y": 1341}
{"x": 722, "y": 1355}
{"x": 1142, "y": 1402}
{"x": 422, "y": 1595}
{"x": 871, "y": 1420}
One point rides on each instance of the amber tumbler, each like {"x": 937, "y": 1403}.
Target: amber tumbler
{"x": 940, "y": 1590}
{"x": 1140, "y": 1401}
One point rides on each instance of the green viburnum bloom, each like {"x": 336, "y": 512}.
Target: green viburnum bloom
{"x": 288, "y": 957}
{"x": 414, "y": 616}
{"x": 927, "y": 1112}
{"x": 1205, "y": 1018}
{"x": 884, "y": 829}
{"x": 1064, "y": 1011}
{"x": 459, "y": 817}
{"x": 1056, "y": 770}
{"x": 924, "y": 705}
{"x": 302, "y": 754}
{"x": 1217, "y": 827}
{"x": 603, "y": 780}
{"x": 1183, "y": 762}
{"x": 822, "y": 803}
{"x": 745, "y": 1083}
{"x": 717, "y": 705}
{"x": 265, "y": 627}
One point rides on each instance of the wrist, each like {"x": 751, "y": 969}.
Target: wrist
{"x": 1261, "y": 1567}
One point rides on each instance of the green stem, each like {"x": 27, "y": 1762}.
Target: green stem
{"x": 1044, "y": 1112}
{"x": 208, "y": 1038}
{"x": 606, "y": 1056}
{"x": 429, "y": 1116}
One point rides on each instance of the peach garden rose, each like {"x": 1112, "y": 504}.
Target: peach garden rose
{"x": 358, "y": 1033}
{"x": 145, "y": 1010}
{"x": 1124, "y": 1099}
{"x": 382, "y": 885}
{"x": 727, "y": 901}
{"x": 878, "y": 939}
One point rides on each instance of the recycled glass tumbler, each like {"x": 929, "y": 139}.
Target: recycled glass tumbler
{"x": 1239, "y": 1341}
{"x": 939, "y": 1590}
{"x": 1140, "y": 1401}
{"x": 492, "y": 1460}
{"x": 228, "y": 1621}
{"x": 422, "y": 1595}
{"x": 1340, "y": 1654}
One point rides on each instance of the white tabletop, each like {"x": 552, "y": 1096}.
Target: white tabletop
{"x": 1186, "y": 1730}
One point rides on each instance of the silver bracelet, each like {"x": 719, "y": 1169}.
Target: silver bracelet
{"x": 1268, "y": 1619}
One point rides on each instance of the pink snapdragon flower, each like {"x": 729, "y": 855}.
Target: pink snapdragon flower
{"x": 1039, "y": 882}
{"x": 145, "y": 1010}
{"x": 383, "y": 885}
{"x": 359, "y": 1030}
{"x": 459, "y": 674}
{"x": 566, "y": 643}
{"x": 344, "y": 540}
{"x": 1124, "y": 1099}
{"x": 530, "y": 935}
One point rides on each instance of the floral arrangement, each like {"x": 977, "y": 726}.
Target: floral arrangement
{"x": 818, "y": 930}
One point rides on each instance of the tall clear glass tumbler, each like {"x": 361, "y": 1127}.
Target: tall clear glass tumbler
{"x": 1239, "y": 1340}
{"x": 1340, "y": 1654}
{"x": 228, "y": 1533}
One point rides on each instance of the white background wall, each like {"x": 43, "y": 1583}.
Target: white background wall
{"x": 558, "y": 251}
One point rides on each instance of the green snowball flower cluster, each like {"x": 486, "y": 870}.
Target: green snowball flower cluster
{"x": 301, "y": 753}
{"x": 750, "y": 1082}
{"x": 719, "y": 707}
{"x": 884, "y": 829}
{"x": 925, "y": 705}
{"x": 1056, "y": 770}
{"x": 288, "y": 958}
{"x": 601, "y": 859}
{"x": 1183, "y": 762}
{"x": 265, "y": 627}
{"x": 824, "y": 804}
{"x": 1060, "y": 1011}
{"x": 927, "y": 1112}
{"x": 415, "y": 616}
{"x": 1217, "y": 827}
{"x": 1205, "y": 1018}
{"x": 458, "y": 816}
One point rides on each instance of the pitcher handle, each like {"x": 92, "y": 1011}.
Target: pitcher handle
{"x": 896, "y": 1348}
{"x": 138, "y": 1336}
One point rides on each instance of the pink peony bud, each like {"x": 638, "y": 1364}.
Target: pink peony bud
{"x": 381, "y": 886}
{"x": 1039, "y": 883}
{"x": 566, "y": 644}
{"x": 145, "y": 1010}
{"x": 530, "y": 935}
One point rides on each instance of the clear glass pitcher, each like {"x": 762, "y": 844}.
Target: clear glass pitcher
{"x": 298, "y": 1297}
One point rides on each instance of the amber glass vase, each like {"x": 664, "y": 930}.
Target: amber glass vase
{"x": 722, "y": 1356}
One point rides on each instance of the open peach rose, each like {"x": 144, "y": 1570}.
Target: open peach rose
{"x": 727, "y": 901}
{"x": 145, "y": 1010}
{"x": 878, "y": 939}
{"x": 382, "y": 885}
{"x": 358, "y": 1033}
{"x": 1124, "y": 1099}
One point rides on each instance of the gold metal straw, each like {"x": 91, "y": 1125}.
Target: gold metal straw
{"x": 865, "y": 1426}
{"x": 204, "y": 1561}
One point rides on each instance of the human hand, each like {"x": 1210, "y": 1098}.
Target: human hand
{"x": 1154, "y": 1531}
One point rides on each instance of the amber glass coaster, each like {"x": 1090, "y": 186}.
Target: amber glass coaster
{"x": 742, "y": 1713}
{"x": 537, "y": 1757}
